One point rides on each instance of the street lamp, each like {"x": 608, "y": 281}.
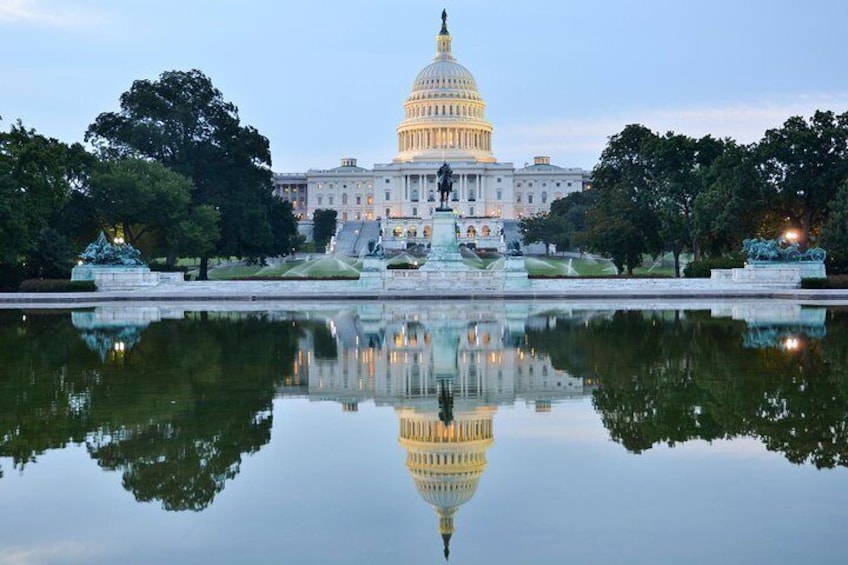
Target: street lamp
{"x": 792, "y": 236}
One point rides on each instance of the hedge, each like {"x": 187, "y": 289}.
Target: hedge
{"x": 56, "y": 285}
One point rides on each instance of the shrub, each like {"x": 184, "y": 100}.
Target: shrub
{"x": 701, "y": 269}
{"x": 56, "y": 285}
{"x": 817, "y": 282}
{"x": 402, "y": 266}
{"x": 166, "y": 268}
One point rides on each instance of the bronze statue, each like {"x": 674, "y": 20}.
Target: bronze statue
{"x": 444, "y": 30}
{"x": 444, "y": 179}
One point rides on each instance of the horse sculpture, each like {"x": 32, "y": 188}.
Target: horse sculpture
{"x": 444, "y": 179}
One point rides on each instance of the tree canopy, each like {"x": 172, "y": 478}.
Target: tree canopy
{"x": 182, "y": 121}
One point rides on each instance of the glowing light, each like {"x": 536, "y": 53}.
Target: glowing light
{"x": 791, "y": 236}
{"x": 791, "y": 344}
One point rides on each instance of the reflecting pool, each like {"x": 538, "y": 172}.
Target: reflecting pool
{"x": 479, "y": 432}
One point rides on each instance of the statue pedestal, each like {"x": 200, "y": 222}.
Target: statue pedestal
{"x": 444, "y": 248}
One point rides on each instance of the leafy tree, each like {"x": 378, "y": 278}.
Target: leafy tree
{"x": 182, "y": 121}
{"x": 323, "y": 227}
{"x": 284, "y": 227}
{"x": 835, "y": 232}
{"x": 573, "y": 210}
{"x": 803, "y": 163}
{"x": 679, "y": 169}
{"x": 542, "y": 228}
{"x": 623, "y": 225}
{"x": 730, "y": 206}
{"x": 144, "y": 198}
{"x": 197, "y": 235}
{"x": 37, "y": 176}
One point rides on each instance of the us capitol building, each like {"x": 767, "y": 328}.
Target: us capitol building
{"x": 444, "y": 121}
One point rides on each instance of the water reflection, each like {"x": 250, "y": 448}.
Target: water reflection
{"x": 187, "y": 395}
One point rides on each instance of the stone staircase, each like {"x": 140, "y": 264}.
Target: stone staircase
{"x": 353, "y": 238}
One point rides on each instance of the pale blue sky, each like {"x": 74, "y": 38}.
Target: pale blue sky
{"x": 327, "y": 79}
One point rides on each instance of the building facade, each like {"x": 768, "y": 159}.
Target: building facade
{"x": 444, "y": 121}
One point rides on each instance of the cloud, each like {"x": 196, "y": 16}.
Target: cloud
{"x": 45, "y": 13}
{"x": 65, "y": 551}
{"x": 581, "y": 140}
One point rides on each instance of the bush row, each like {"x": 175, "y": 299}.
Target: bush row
{"x": 56, "y": 285}
{"x": 701, "y": 269}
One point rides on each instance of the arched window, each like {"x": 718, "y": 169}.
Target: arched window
{"x": 398, "y": 231}
{"x": 344, "y": 199}
{"x": 428, "y": 231}
{"x": 544, "y": 197}
{"x": 412, "y": 232}
{"x": 471, "y": 232}
{"x": 486, "y": 231}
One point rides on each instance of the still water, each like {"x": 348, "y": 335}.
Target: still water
{"x": 410, "y": 432}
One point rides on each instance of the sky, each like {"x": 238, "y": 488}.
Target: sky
{"x": 325, "y": 80}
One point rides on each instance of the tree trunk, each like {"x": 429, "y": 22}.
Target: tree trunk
{"x": 676, "y": 253}
{"x": 203, "y": 274}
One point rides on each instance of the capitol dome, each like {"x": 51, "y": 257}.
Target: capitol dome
{"x": 444, "y": 114}
{"x": 446, "y": 460}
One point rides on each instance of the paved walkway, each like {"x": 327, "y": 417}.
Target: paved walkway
{"x": 577, "y": 290}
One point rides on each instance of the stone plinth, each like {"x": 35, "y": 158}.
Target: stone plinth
{"x": 444, "y": 248}
{"x": 777, "y": 274}
{"x": 113, "y": 277}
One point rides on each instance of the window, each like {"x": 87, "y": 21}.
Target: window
{"x": 472, "y": 232}
{"x": 344, "y": 216}
{"x": 388, "y": 212}
{"x": 471, "y": 195}
{"x": 358, "y": 200}
{"x": 415, "y": 195}
{"x": 388, "y": 181}
{"x": 529, "y": 198}
{"x": 557, "y": 185}
{"x": 344, "y": 199}
{"x": 544, "y": 197}
{"x": 500, "y": 195}
{"x": 471, "y": 211}
{"x": 369, "y": 199}
{"x": 569, "y": 183}
{"x": 518, "y": 198}
{"x": 388, "y": 196}
{"x": 498, "y": 179}
{"x": 414, "y": 211}
{"x": 330, "y": 199}
{"x": 397, "y": 232}
{"x": 320, "y": 200}
{"x": 487, "y": 231}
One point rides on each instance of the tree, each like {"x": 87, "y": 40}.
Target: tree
{"x": 37, "y": 177}
{"x": 623, "y": 225}
{"x": 144, "y": 198}
{"x": 679, "y": 166}
{"x": 323, "y": 227}
{"x": 284, "y": 227}
{"x": 803, "y": 163}
{"x": 835, "y": 232}
{"x": 730, "y": 206}
{"x": 541, "y": 228}
{"x": 182, "y": 121}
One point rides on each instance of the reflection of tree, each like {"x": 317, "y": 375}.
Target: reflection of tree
{"x": 671, "y": 378}
{"x": 174, "y": 414}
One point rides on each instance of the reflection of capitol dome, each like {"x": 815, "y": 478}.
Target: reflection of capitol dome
{"x": 445, "y": 114}
{"x": 446, "y": 461}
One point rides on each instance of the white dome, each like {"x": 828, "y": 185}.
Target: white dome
{"x": 445, "y": 114}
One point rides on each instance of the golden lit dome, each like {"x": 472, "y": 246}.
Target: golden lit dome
{"x": 446, "y": 460}
{"x": 444, "y": 114}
